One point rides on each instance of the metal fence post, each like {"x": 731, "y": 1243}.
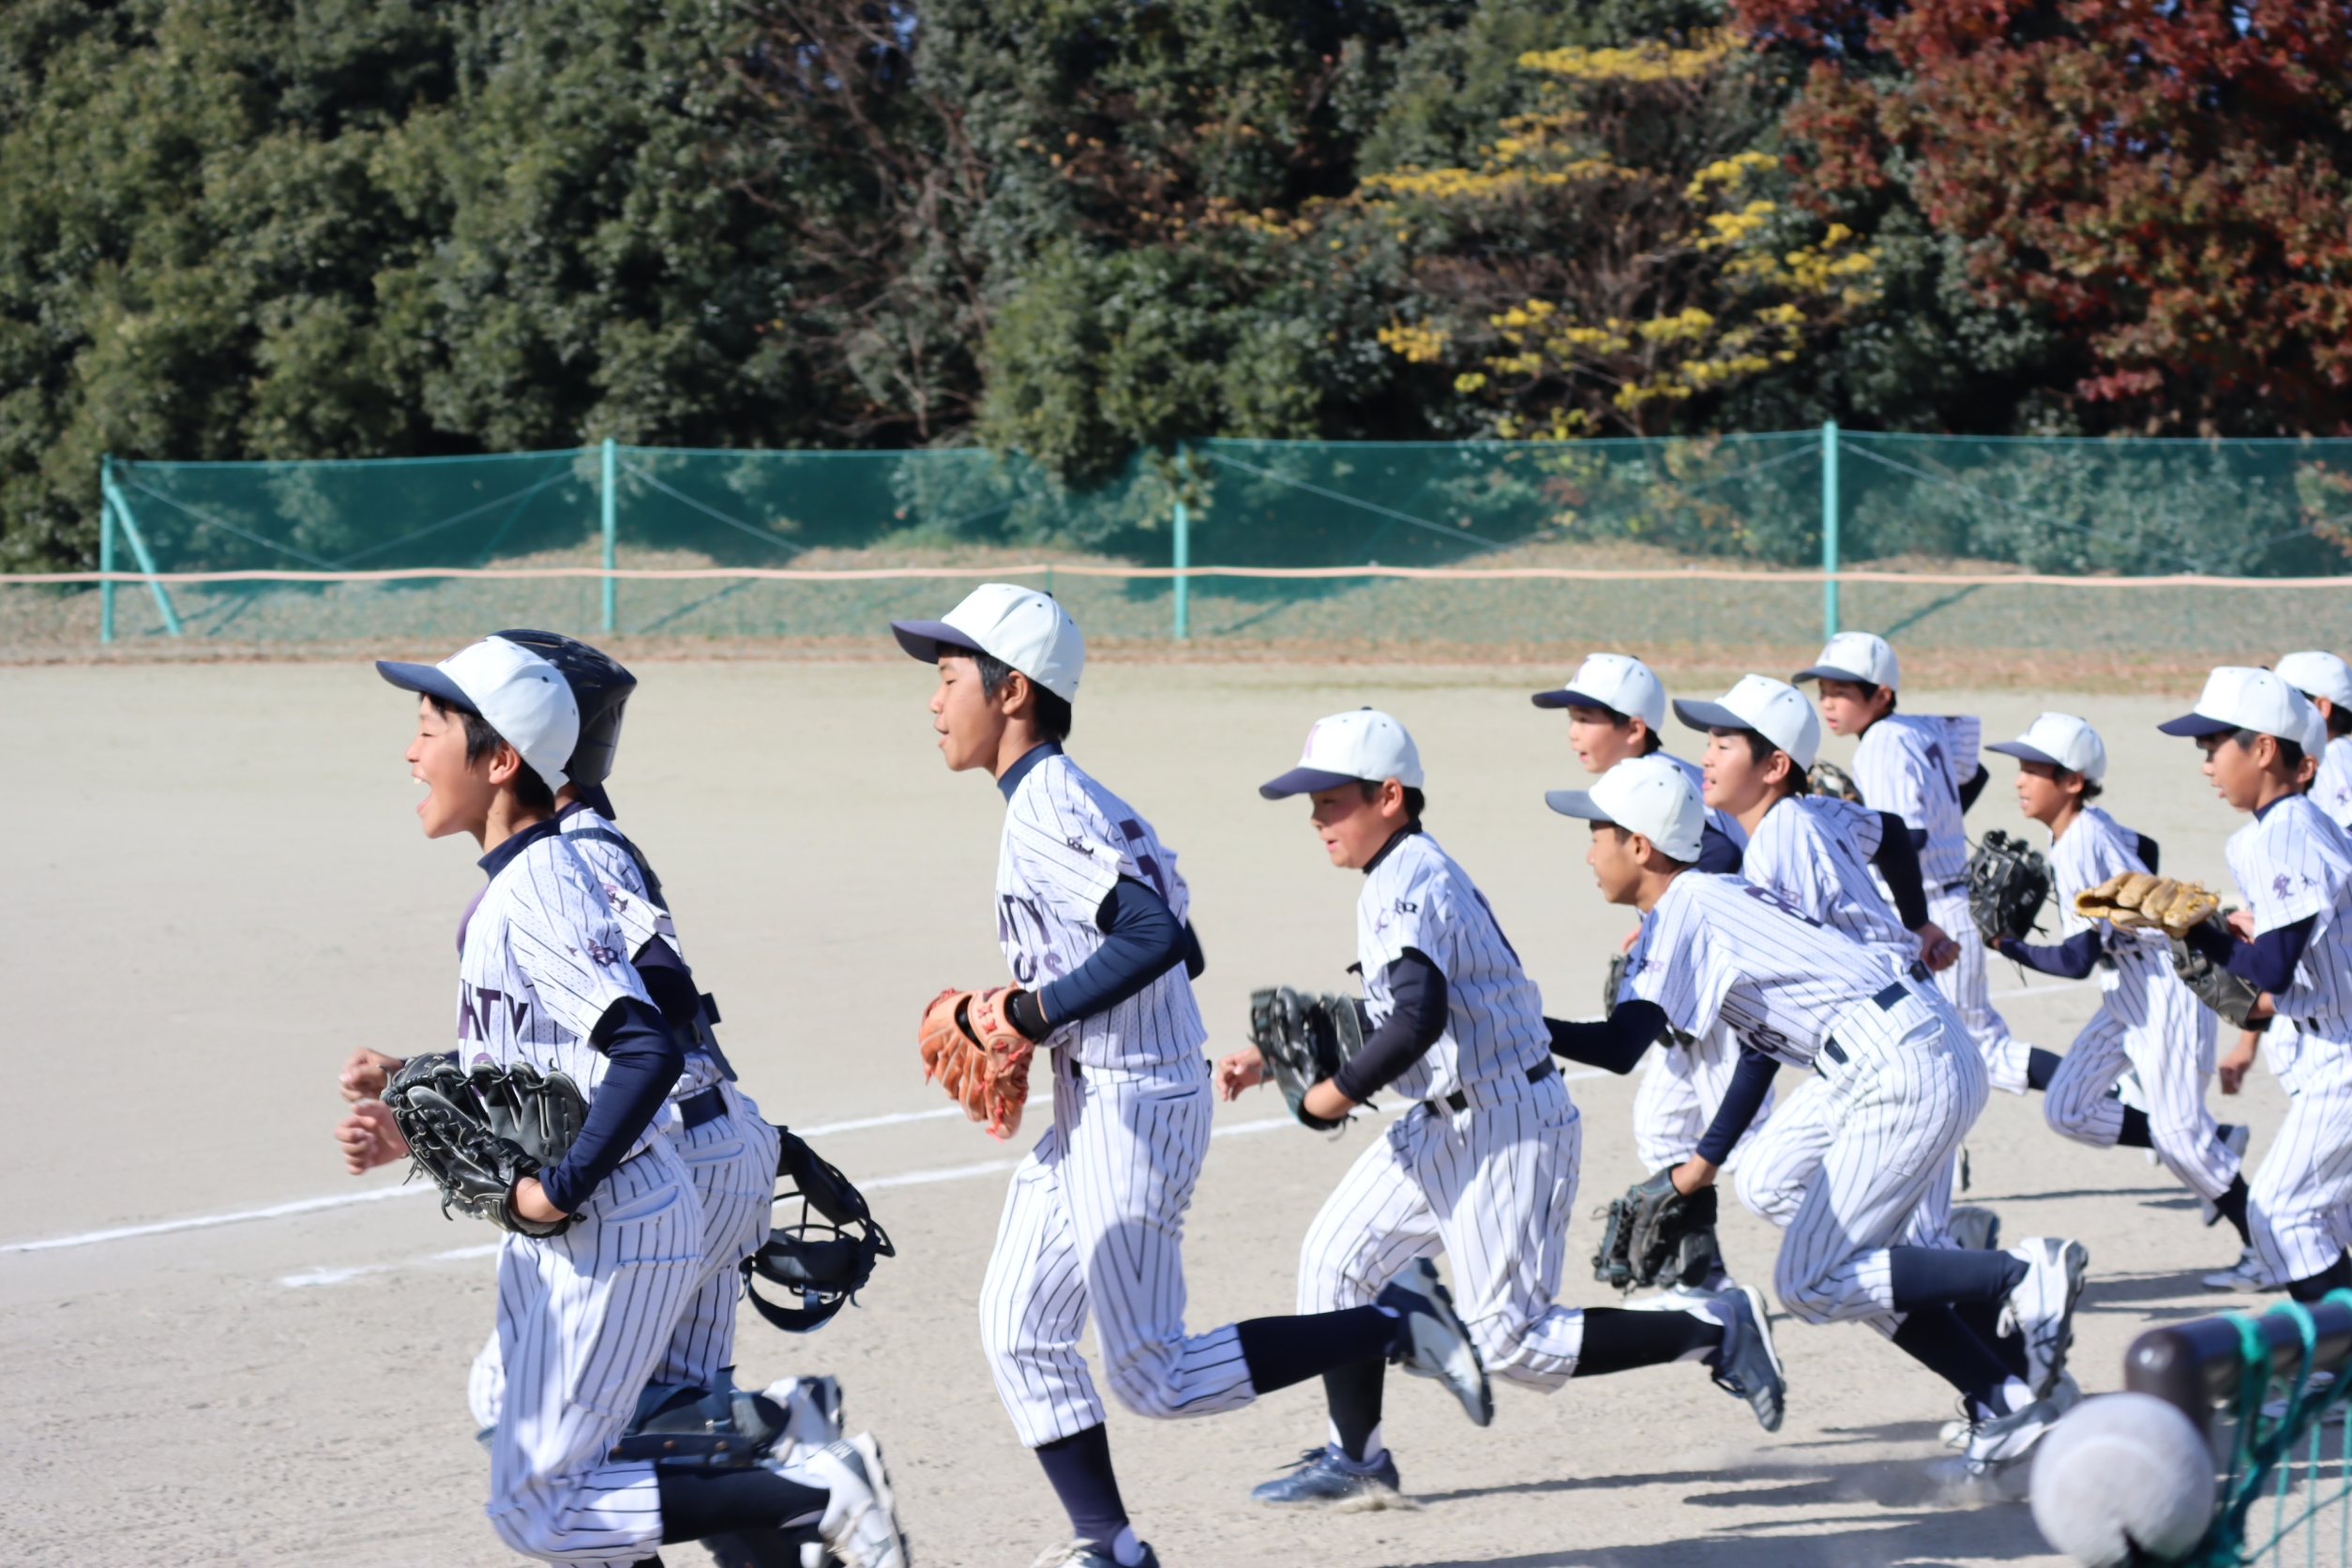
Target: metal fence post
{"x": 106, "y": 547}
{"x": 113, "y": 493}
{"x": 611, "y": 523}
{"x": 1829, "y": 527}
{"x": 1184, "y": 558}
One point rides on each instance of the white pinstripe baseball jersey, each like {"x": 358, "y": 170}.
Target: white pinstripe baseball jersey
{"x": 1067, "y": 841}
{"x": 1904, "y": 765}
{"x": 2292, "y": 863}
{"x": 2332, "y": 790}
{"x": 543, "y": 958}
{"x": 605, "y": 849}
{"x": 1814, "y": 851}
{"x": 2093, "y": 848}
{"x": 1417, "y": 896}
{"x": 1722, "y": 821}
{"x": 1722, "y": 947}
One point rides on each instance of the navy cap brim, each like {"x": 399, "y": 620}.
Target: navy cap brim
{"x": 426, "y": 680}
{"x": 1568, "y": 696}
{"x": 1710, "y": 716}
{"x": 1830, "y": 672}
{"x": 2024, "y": 753}
{"x": 2197, "y": 724}
{"x": 923, "y": 640}
{"x": 1304, "y": 781}
{"x": 1576, "y": 802}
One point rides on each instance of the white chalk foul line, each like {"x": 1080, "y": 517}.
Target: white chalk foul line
{"x": 314, "y": 1205}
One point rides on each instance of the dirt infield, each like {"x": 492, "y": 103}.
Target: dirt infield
{"x": 222, "y": 891}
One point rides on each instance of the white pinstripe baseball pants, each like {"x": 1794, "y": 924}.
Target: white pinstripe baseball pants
{"x": 1964, "y": 985}
{"x": 1492, "y": 1188}
{"x": 2299, "y": 1205}
{"x": 2153, "y": 1024}
{"x": 1681, "y": 1089}
{"x": 731, "y": 1162}
{"x": 1848, "y": 1164}
{"x": 583, "y": 1320}
{"x": 1094, "y": 1220}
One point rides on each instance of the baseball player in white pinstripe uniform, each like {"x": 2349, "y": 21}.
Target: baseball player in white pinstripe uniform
{"x": 2295, "y": 868}
{"x": 1904, "y": 763}
{"x": 1903, "y": 1087}
{"x": 2325, "y": 682}
{"x": 1485, "y": 1168}
{"x": 1616, "y": 711}
{"x": 2147, "y": 1021}
{"x": 1091, "y": 915}
{"x": 584, "y": 1316}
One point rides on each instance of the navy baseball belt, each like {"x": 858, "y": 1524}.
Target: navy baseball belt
{"x": 1459, "y": 1101}
{"x": 1887, "y": 1001}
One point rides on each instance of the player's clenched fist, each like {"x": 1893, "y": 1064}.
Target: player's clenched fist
{"x": 370, "y": 1136}
{"x": 366, "y": 1074}
{"x": 1244, "y": 1069}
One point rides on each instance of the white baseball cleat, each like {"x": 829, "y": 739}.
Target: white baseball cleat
{"x": 2247, "y": 1276}
{"x": 1975, "y": 1227}
{"x": 860, "y": 1524}
{"x": 2041, "y": 1308}
{"x": 1996, "y": 1445}
{"x": 1433, "y": 1341}
{"x": 1955, "y": 1434}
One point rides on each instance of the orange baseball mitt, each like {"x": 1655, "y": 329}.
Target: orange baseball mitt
{"x": 977, "y": 1056}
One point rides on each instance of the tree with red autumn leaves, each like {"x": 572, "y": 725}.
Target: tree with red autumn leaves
{"x": 2167, "y": 181}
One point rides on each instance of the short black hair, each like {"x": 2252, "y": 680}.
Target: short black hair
{"x": 481, "y": 740}
{"x": 1050, "y": 714}
{"x": 1415, "y": 802}
{"x": 2092, "y": 790}
{"x": 2290, "y": 752}
{"x": 1760, "y": 749}
{"x": 2339, "y": 720}
{"x": 1654, "y": 740}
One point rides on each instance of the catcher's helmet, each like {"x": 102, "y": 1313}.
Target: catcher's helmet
{"x": 827, "y": 1253}
{"x": 601, "y": 689}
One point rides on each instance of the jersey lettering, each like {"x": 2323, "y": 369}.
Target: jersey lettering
{"x": 1766, "y": 896}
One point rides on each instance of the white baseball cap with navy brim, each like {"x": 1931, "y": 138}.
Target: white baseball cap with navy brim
{"x": 1364, "y": 745}
{"x": 2240, "y": 697}
{"x": 2318, "y": 674}
{"x": 1017, "y": 625}
{"x": 1856, "y": 656}
{"x": 521, "y": 695}
{"x": 1618, "y": 682}
{"x": 1773, "y": 709}
{"x": 2062, "y": 741}
{"x": 1649, "y": 796}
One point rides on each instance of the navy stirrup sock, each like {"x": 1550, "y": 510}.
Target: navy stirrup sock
{"x": 694, "y": 1506}
{"x": 1355, "y": 1394}
{"x": 1926, "y": 1277}
{"x": 1080, "y": 1468}
{"x": 2041, "y": 1067}
{"x": 1285, "y": 1351}
{"x": 1936, "y": 1338}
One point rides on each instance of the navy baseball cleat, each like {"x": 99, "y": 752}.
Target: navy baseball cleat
{"x": 1431, "y": 1341}
{"x": 1324, "y": 1477}
{"x": 1746, "y": 1365}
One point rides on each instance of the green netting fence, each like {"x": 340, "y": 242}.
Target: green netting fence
{"x": 2125, "y": 548}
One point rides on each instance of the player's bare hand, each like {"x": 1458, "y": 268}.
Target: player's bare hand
{"x": 1692, "y": 1174}
{"x": 530, "y": 1201}
{"x": 1631, "y": 937}
{"x": 366, "y": 1072}
{"x": 1936, "y": 950}
{"x": 370, "y": 1136}
{"x": 2231, "y": 1069}
{"x": 2241, "y": 923}
{"x": 1244, "y": 1069}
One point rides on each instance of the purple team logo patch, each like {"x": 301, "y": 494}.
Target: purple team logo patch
{"x": 2282, "y": 885}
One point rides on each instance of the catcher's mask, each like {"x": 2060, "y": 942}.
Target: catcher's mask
{"x": 826, "y": 1253}
{"x": 601, "y": 689}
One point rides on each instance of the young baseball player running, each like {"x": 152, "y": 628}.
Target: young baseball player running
{"x": 728, "y": 1148}
{"x": 1484, "y": 1168}
{"x": 2325, "y": 682}
{"x": 584, "y": 1314}
{"x": 1091, "y": 914}
{"x": 1902, "y": 1088}
{"x": 2295, "y": 868}
{"x": 1903, "y": 765}
{"x": 1616, "y": 711}
{"x": 2147, "y": 1021}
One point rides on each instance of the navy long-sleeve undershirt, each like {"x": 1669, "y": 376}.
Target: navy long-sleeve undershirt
{"x": 1416, "y": 987}
{"x": 1616, "y": 1043}
{"x": 1751, "y": 1080}
{"x": 644, "y": 1062}
{"x": 1718, "y": 852}
{"x": 1974, "y": 787}
{"x": 1897, "y": 860}
{"x": 2071, "y": 959}
{"x": 2269, "y": 961}
{"x": 1142, "y": 940}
